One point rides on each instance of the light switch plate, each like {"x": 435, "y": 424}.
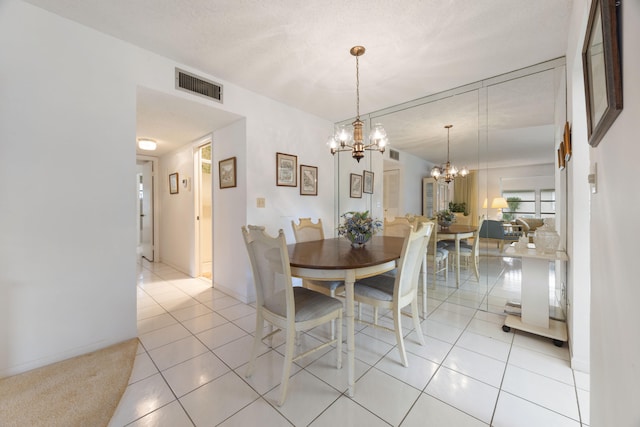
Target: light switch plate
{"x": 260, "y": 202}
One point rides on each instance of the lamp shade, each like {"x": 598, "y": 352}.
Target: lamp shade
{"x": 499, "y": 203}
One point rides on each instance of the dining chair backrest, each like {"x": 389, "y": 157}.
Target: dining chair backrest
{"x": 413, "y": 250}
{"x": 307, "y": 230}
{"x": 271, "y": 270}
{"x": 399, "y": 227}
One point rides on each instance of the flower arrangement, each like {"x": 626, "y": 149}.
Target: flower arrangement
{"x": 358, "y": 227}
{"x": 445, "y": 217}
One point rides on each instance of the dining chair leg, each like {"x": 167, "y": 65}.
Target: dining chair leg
{"x": 256, "y": 344}
{"x": 475, "y": 267}
{"x": 416, "y": 321}
{"x": 423, "y": 274}
{"x": 286, "y": 367}
{"x": 375, "y": 315}
{"x": 399, "y": 340}
{"x": 339, "y": 343}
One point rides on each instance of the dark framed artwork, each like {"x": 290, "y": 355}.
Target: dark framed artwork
{"x": 286, "y": 170}
{"x": 355, "y": 187}
{"x": 567, "y": 142}
{"x": 227, "y": 172}
{"x": 308, "y": 180}
{"x": 601, "y": 64}
{"x": 173, "y": 183}
{"x": 367, "y": 182}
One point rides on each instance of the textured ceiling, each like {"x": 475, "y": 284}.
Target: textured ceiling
{"x": 297, "y": 52}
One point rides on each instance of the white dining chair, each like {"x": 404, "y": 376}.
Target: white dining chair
{"x": 306, "y": 230}
{"x": 290, "y": 309}
{"x": 469, "y": 252}
{"x": 397, "y": 292}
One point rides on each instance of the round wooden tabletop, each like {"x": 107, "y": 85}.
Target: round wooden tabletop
{"x": 458, "y": 229}
{"x": 337, "y": 253}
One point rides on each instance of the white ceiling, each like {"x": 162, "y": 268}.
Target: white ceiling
{"x": 297, "y": 52}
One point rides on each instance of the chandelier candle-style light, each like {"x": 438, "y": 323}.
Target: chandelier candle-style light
{"x": 448, "y": 171}
{"x": 345, "y": 140}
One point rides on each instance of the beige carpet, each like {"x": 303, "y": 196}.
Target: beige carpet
{"x": 82, "y": 391}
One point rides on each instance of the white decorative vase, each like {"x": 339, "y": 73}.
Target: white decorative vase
{"x": 546, "y": 238}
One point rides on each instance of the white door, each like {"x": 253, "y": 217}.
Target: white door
{"x": 146, "y": 211}
{"x": 204, "y": 223}
{"x": 391, "y": 193}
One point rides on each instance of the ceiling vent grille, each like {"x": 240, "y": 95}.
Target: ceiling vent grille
{"x": 189, "y": 83}
{"x": 395, "y": 155}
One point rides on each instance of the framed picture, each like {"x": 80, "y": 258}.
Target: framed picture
{"x": 227, "y": 172}
{"x": 567, "y": 142}
{"x": 602, "y": 69}
{"x": 356, "y": 186}
{"x": 173, "y": 183}
{"x": 367, "y": 182}
{"x": 308, "y": 180}
{"x": 561, "y": 161}
{"x": 286, "y": 170}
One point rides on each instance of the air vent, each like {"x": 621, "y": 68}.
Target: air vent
{"x": 395, "y": 155}
{"x": 194, "y": 84}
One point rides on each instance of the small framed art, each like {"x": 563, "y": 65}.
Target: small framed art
{"x": 286, "y": 170}
{"x": 308, "y": 180}
{"x": 567, "y": 142}
{"x": 227, "y": 172}
{"x": 356, "y": 186}
{"x": 367, "y": 182}
{"x": 602, "y": 68}
{"x": 173, "y": 183}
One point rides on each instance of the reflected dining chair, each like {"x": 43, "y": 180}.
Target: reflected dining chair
{"x": 397, "y": 292}
{"x": 307, "y": 230}
{"x": 288, "y": 308}
{"x": 471, "y": 253}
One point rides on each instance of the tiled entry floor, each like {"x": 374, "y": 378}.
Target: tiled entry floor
{"x": 195, "y": 342}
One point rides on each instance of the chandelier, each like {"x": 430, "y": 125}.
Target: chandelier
{"x": 346, "y": 140}
{"x": 448, "y": 171}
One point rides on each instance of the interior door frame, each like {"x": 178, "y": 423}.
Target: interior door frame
{"x": 208, "y": 140}
{"x": 155, "y": 205}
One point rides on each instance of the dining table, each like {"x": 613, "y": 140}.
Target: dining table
{"x": 336, "y": 259}
{"x": 456, "y": 232}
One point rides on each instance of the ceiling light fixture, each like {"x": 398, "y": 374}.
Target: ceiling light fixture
{"x": 147, "y": 144}
{"x": 448, "y": 171}
{"x": 353, "y": 141}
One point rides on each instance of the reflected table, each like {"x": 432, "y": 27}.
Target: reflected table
{"x": 335, "y": 259}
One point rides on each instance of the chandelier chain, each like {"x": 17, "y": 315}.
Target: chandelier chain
{"x": 357, "y": 88}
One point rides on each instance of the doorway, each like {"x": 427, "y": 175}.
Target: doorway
{"x": 204, "y": 209}
{"x": 145, "y": 208}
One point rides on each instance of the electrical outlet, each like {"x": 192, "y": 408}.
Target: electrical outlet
{"x": 260, "y": 202}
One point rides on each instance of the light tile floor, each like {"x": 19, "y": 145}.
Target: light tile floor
{"x": 195, "y": 343}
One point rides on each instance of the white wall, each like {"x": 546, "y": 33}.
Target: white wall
{"x": 578, "y": 234}
{"x": 67, "y": 161}
{"x": 615, "y": 347}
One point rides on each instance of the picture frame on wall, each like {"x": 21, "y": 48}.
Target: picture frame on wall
{"x": 561, "y": 160}
{"x": 602, "y": 69}
{"x": 173, "y": 183}
{"x": 367, "y": 182}
{"x": 567, "y": 142}
{"x": 308, "y": 180}
{"x": 227, "y": 172}
{"x": 355, "y": 187}
{"x": 286, "y": 170}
